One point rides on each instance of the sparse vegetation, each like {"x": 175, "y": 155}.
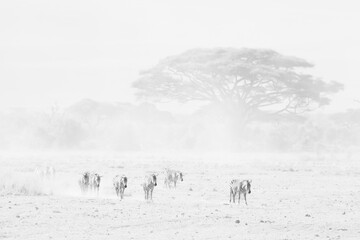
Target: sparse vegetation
{"x": 126, "y": 127}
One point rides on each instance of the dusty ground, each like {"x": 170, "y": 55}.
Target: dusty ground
{"x": 293, "y": 197}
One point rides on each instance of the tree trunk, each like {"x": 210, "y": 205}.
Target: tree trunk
{"x": 238, "y": 120}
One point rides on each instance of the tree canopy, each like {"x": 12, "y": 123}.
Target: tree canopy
{"x": 248, "y": 80}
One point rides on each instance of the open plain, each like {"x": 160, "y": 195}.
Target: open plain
{"x": 294, "y": 196}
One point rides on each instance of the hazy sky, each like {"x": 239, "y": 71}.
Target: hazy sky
{"x": 63, "y": 51}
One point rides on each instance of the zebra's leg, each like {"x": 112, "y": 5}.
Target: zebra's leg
{"x": 245, "y": 198}
{"x": 151, "y": 192}
{"x": 175, "y": 184}
{"x": 239, "y": 197}
{"x": 230, "y": 194}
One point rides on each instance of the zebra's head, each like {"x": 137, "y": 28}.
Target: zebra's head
{"x": 86, "y": 177}
{"x": 248, "y": 182}
{"x": 154, "y": 180}
{"x": 181, "y": 176}
{"x": 97, "y": 179}
{"x": 125, "y": 181}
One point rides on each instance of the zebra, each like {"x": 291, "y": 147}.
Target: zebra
{"x": 149, "y": 183}
{"x": 171, "y": 177}
{"x": 120, "y": 183}
{"x": 239, "y": 187}
{"x": 84, "y": 182}
{"x": 94, "y": 182}
{"x": 47, "y": 172}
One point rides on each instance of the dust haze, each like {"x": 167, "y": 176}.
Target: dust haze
{"x": 186, "y": 100}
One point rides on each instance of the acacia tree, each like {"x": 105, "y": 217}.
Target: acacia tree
{"x": 245, "y": 81}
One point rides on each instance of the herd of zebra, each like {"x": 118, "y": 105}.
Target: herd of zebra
{"x": 91, "y": 181}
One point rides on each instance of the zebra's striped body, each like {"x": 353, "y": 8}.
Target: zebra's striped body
{"x": 172, "y": 177}
{"x": 239, "y": 187}
{"x": 94, "y": 182}
{"x": 120, "y": 183}
{"x": 149, "y": 183}
{"x": 84, "y": 182}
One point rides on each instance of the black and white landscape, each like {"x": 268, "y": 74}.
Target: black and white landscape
{"x": 179, "y": 120}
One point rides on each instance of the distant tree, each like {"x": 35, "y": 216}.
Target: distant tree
{"x": 244, "y": 81}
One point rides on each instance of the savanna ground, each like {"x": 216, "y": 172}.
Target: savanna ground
{"x": 294, "y": 196}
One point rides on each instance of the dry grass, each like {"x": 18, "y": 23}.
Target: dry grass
{"x": 22, "y": 184}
